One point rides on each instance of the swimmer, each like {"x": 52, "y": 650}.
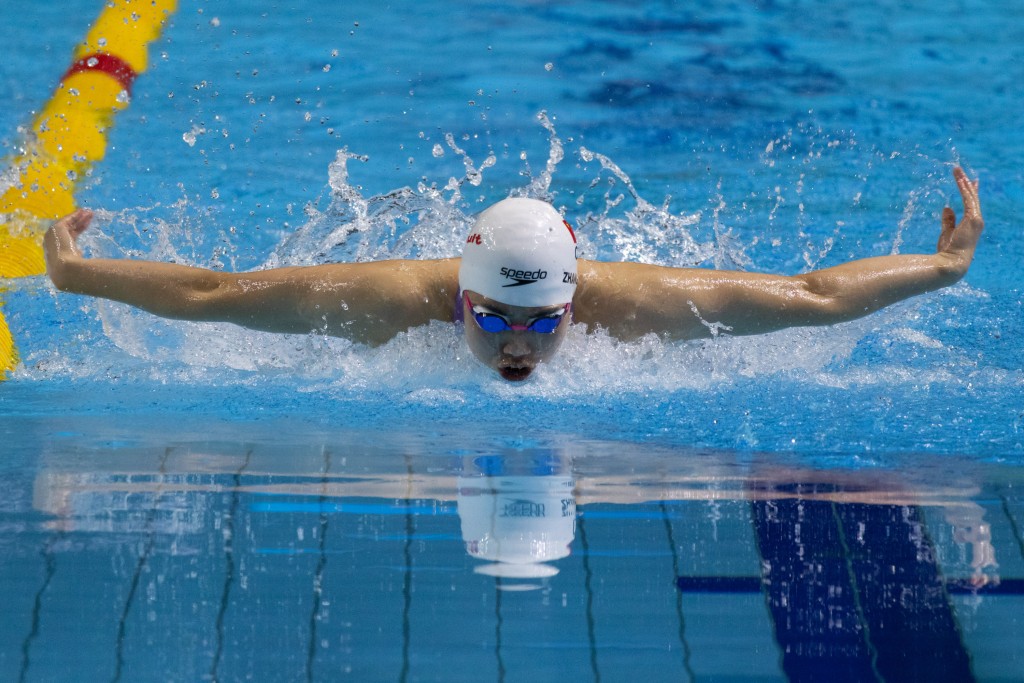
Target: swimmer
{"x": 517, "y": 288}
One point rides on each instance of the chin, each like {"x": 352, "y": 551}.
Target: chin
{"x": 515, "y": 374}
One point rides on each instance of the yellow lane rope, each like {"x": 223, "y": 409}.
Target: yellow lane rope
{"x": 69, "y": 135}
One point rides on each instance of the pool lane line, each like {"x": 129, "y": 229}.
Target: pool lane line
{"x": 321, "y": 565}
{"x": 140, "y": 566}
{"x": 670, "y": 537}
{"x": 410, "y": 530}
{"x": 69, "y": 135}
{"x": 49, "y": 571}
{"x": 588, "y": 587}
{"x": 228, "y": 531}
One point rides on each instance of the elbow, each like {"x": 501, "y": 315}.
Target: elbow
{"x": 816, "y": 306}
{"x": 207, "y": 298}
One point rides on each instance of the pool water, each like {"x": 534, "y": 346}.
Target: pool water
{"x": 193, "y": 501}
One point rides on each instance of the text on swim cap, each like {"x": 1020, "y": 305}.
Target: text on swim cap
{"x": 569, "y": 278}
{"x": 521, "y": 507}
{"x": 474, "y": 238}
{"x": 522, "y": 277}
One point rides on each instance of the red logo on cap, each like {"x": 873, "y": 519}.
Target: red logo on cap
{"x": 571, "y": 233}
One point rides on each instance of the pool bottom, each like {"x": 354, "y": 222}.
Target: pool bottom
{"x": 274, "y": 550}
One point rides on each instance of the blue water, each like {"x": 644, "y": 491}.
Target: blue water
{"x": 167, "y": 506}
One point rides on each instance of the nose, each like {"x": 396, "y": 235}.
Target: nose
{"x": 516, "y": 345}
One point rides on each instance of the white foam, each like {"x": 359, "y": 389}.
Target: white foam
{"x": 431, "y": 365}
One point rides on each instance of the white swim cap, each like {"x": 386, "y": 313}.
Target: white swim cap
{"x": 522, "y": 253}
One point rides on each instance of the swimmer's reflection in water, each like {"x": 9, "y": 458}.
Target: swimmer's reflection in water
{"x": 520, "y": 508}
{"x": 518, "y": 514}
{"x": 517, "y": 287}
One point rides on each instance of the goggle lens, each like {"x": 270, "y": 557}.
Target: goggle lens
{"x": 494, "y": 323}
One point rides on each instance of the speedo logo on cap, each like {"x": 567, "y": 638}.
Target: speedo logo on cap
{"x": 522, "y": 277}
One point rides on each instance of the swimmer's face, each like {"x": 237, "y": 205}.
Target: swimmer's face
{"x": 512, "y": 353}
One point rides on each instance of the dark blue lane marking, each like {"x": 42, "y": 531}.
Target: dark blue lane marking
{"x": 752, "y": 584}
{"x": 855, "y": 593}
{"x": 818, "y": 625}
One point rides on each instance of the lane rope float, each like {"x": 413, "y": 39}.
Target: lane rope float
{"x": 69, "y": 135}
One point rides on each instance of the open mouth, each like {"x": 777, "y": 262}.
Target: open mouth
{"x": 515, "y": 374}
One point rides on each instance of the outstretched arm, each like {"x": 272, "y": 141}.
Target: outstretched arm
{"x": 631, "y": 300}
{"x": 364, "y": 302}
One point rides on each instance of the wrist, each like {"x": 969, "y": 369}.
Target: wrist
{"x": 65, "y": 271}
{"x": 951, "y": 265}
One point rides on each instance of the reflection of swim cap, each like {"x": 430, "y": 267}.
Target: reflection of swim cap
{"x": 519, "y": 522}
{"x": 520, "y": 253}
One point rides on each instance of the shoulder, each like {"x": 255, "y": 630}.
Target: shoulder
{"x": 633, "y": 299}
{"x": 605, "y": 292}
{"x": 601, "y": 282}
{"x": 425, "y": 289}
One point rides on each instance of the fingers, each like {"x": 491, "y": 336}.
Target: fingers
{"x": 77, "y": 222}
{"x": 968, "y": 192}
{"x": 963, "y": 237}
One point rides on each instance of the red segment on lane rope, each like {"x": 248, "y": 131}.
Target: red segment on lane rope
{"x": 112, "y": 65}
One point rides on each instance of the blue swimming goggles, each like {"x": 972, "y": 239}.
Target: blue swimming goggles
{"x": 489, "y": 321}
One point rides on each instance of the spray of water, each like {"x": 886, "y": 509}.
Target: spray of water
{"x": 432, "y": 365}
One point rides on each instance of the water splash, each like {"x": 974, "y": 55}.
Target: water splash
{"x": 474, "y": 176}
{"x": 540, "y": 187}
{"x": 429, "y": 221}
{"x": 645, "y": 233}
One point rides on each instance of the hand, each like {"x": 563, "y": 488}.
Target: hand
{"x": 60, "y": 245}
{"x": 983, "y": 555}
{"x": 958, "y": 241}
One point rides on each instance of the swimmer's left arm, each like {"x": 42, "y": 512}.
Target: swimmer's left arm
{"x": 631, "y": 300}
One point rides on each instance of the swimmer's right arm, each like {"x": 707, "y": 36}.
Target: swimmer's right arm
{"x": 365, "y": 302}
